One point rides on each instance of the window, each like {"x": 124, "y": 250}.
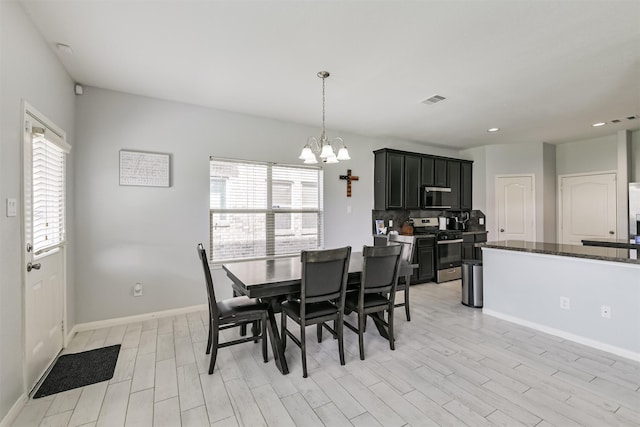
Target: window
{"x": 260, "y": 210}
{"x": 48, "y": 190}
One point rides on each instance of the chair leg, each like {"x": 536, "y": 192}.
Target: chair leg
{"x": 214, "y": 351}
{"x": 283, "y": 329}
{"x": 303, "y": 350}
{"x": 362, "y": 319}
{"x": 319, "y": 332}
{"x": 210, "y": 335}
{"x": 406, "y": 298}
{"x": 392, "y": 342}
{"x": 265, "y": 357}
{"x": 335, "y": 325}
{"x": 338, "y": 327}
{"x": 255, "y": 330}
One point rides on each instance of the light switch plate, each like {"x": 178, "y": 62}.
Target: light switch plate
{"x": 481, "y": 221}
{"x": 12, "y": 207}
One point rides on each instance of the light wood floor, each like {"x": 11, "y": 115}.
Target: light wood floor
{"x": 452, "y": 366}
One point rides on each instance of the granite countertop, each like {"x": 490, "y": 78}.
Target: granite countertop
{"x": 578, "y": 251}
{"x": 475, "y": 232}
{"x": 611, "y": 243}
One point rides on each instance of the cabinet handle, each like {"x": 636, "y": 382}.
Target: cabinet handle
{"x": 502, "y": 230}
{"x": 611, "y": 232}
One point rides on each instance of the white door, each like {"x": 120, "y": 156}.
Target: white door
{"x": 516, "y": 207}
{"x": 44, "y": 151}
{"x": 587, "y": 207}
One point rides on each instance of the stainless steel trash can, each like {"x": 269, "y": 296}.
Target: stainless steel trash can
{"x": 472, "y": 283}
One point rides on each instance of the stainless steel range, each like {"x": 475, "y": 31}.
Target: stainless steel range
{"x": 448, "y": 252}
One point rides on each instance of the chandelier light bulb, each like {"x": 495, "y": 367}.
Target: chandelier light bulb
{"x": 343, "y": 154}
{"x": 327, "y": 151}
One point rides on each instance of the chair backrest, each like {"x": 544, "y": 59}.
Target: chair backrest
{"x": 380, "y": 267}
{"x": 324, "y": 275}
{"x": 408, "y": 245}
{"x": 211, "y": 295}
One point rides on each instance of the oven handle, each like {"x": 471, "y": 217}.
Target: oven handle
{"x": 448, "y": 242}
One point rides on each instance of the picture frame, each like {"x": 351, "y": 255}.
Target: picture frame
{"x": 380, "y": 228}
{"x": 144, "y": 169}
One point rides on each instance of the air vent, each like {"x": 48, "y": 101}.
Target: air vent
{"x": 433, "y": 99}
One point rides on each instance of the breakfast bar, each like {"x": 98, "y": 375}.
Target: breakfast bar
{"x": 586, "y": 294}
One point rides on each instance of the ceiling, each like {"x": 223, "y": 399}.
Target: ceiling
{"x": 538, "y": 70}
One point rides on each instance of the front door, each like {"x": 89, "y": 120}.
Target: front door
{"x": 587, "y": 207}
{"x": 44, "y": 151}
{"x": 516, "y": 207}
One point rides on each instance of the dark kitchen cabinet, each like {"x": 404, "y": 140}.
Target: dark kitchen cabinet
{"x": 453, "y": 173}
{"x": 440, "y": 178}
{"x": 412, "y": 171}
{"x": 389, "y": 179}
{"x": 465, "y": 185}
{"x": 425, "y": 259}
{"x": 427, "y": 175}
{"x": 399, "y": 177}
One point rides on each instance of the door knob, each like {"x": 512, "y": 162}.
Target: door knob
{"x": 611, "y": 232}
{"x": 35, "y": 266}
{"x": 502, "y": 230}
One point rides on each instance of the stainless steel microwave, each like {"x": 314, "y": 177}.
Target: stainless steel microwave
{"x": 436, "y": 197}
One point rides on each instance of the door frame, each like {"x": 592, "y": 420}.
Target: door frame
{"x": 29, "y": 113}
{"x": 533, "y": 200}
{"x": 559, "y": 212}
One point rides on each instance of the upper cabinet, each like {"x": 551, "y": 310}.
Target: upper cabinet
{"x": 399, "y": 177}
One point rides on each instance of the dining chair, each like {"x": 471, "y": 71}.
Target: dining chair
{"x": 406, "y": 268}
{"x": 322, "y": 295}
{"x": 229, "y": 313}
{"x": 380, "y": 268}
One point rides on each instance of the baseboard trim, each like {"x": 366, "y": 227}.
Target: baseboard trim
{"x": 566, "y": 335}
{"x": 132, "y": 319}
{"x": 14, "y": 411}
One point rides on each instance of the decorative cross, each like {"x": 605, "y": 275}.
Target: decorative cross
{"x": 348, "y": 177}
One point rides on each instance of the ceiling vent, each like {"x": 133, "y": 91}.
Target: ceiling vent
{"x": 433, "y": 99}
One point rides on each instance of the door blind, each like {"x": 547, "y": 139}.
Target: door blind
{"x": 48, "y": 190}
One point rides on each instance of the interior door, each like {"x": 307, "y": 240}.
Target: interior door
{"x": 587, "y": 207}
{"x": 44, "y": 251}
{"x": 516, "y": 207}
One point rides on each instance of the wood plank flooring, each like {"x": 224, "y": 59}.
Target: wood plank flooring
{"x": 452, "y": 366}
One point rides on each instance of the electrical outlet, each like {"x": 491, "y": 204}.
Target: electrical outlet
{"x": 565, "y": 303}
{"x": 137, "y": 290}
{"x": 481, "y": 221}
{"x": 390, "y": 223}
{"x": 605, "y": 311}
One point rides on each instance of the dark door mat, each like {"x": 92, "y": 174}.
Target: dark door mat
{"x": 80, "y": 369}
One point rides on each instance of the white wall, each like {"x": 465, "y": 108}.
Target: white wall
{"x": 30, "y": 71}
{"x": 140, "y": 234}
{"x": 634, "y": 167}
{"x": 591, "y": 155}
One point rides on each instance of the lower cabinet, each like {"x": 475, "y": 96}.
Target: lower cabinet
{"x": 469, "y": 251}
{"x": 425, "y": 258}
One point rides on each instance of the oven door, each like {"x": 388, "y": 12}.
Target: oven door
{"x": 448, "y": 253}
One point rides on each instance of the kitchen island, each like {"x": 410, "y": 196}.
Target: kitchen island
{"x": 586, "y": 294}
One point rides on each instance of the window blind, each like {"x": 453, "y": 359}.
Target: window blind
{"x": 260, "y": 210}
{"x": 48, "y": 190}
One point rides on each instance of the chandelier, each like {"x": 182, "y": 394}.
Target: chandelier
{"x": 323, "y": 146}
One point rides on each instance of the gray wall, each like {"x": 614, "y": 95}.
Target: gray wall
{"x": 28, "y": 71}
{"x": 148, "y": 235}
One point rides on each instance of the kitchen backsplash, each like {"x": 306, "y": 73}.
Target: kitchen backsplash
{"x": 399, "y": 217}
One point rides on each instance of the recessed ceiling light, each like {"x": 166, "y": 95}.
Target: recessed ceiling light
{"x": 595, "y": 125}
{"x": 493, "y": 130}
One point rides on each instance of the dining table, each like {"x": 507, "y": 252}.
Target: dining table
{"x": 273, "y": 279}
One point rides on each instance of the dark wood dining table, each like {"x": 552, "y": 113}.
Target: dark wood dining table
{"x": 273, "y": 279}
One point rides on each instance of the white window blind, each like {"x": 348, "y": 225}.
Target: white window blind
{"x": 48, "y": 190}
{"x": 260, "y": 210}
